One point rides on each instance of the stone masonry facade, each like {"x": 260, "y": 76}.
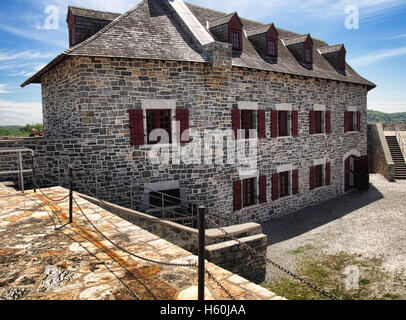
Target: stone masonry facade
{"x": 89, "y": 98}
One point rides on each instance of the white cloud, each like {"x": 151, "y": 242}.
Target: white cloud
{"x": 24, "y": 55}
{"x": 399, "y": 36}
{"x": 19, "y": 113}
{"x": 374, "y": 57}
{"x": 4, "y": 88}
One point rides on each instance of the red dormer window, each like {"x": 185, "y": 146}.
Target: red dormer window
{"x": 308, "y": 50}
{"x": 235, "y": 32}
{"x": 341, "y": 58}
{"x": 272, "y": 42}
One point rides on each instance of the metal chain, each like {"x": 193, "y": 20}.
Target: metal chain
{"x": 211, "y": 277}
{"x": 259, "y": 254}
{"x": 172, "y": 264}
{"x": 53, "y": 200}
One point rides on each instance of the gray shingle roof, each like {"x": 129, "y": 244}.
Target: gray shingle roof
{"x": 258, "y": 30}
{"x": 149, "y": 32}
{"x": 294, "y": 40}
{"x": 82, "y": 12}
{"x": 331, "y": 49}
{"x": 222, "y": 20}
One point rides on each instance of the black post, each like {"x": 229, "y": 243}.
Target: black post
{"x": 70, "y": 194}
{"x": 202, "y": 246}
{"x": 33, "y": 173}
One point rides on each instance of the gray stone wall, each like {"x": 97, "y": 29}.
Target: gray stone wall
{"x": 380, "y": 159}
{"x": 90, "y": 98}
{"x": 391, "y": 126}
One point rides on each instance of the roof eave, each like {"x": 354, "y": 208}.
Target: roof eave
{"x": 36, "y": 78}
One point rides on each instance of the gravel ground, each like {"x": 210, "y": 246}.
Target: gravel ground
{"x": 370, "y": 224}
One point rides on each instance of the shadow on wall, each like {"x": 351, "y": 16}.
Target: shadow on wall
{"x": 297, "y": 223}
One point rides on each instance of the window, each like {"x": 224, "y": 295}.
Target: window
{"x": 319, "y": 175}
{"x": 158, "y": 119}
{"x": 165, "y": 198}
{"x": 319, "y": 121}
{"x": 272, "y": 48}
{"x": 284, "y": 184}
{"x": 248, "y": 192}
{"x": 308, "y": 56}
{"x": 283, "y": 124}
{"x": 351, "y": 123}
{"x": 247, "y": 122}
{"x": 236, "y": 40}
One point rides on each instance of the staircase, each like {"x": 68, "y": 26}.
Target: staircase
{"x": 397, "y": 157}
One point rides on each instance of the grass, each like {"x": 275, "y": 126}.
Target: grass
{"x": 301, "y": 250}
{"x": 328, "y": 273}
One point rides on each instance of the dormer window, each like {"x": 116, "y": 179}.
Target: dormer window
{"x": 228, "y": 29}
{"x": 302, "y": 49}
{"x": 265, "y": 40}
{"x": 335, "y": 55}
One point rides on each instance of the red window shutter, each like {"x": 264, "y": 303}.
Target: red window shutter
{"x": 295, "y": 181}
{"x": 236, "y": 121}
{"x": 182, "y": 115}
{"x": 358, "y": 121}
{"x": 262, "y": 189}
{"x": 328, "y": 122}
{"x": 328, "y": 174}
{"x": 312, "y": 122}
{"x": 275, "y": 186}
{"x": 137, "y": 127}
{"x": 295, "y": 119}
{"x": 261, "y": 124}
{"x": 346, "y": 121}
{"x": 274, "y": 123}
{"x": 237, "y": 195}
{"x": 312, "y": 177}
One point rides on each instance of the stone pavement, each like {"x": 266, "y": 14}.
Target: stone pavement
{"x": 77, "y": 263}
{"x": 369, "y": 224}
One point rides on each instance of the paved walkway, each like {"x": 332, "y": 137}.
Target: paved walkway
{"x": 38, "y": 262}
{"x": 370, "y": 224}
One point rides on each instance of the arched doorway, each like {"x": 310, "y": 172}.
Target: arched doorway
{"x": 356, "y": 172}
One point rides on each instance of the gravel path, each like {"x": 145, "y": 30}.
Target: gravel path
{"x": 370, "y": 224}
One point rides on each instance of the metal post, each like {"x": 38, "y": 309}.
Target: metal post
{"x": 70, "y": 194}
{"x": 163, "y": 206}
{"x": 33, "y": 173}
{"x": 21, "y": 174}
{"x": 201, "y": 253}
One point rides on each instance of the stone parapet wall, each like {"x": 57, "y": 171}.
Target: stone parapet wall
{"x": 380, "y": 159}
{"x": 232, "y": 256}
{"x": 390, "y": 126}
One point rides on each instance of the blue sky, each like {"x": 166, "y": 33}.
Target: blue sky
{"x": 376, "y": 50}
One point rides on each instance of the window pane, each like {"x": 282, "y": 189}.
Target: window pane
{"x": 284, "y": 184}
{"x": 271, "y": 48}
{"x": 319, "y": 122}
{"x": 319, "y": 176}
{"x": 235, "y": 40}
{"x": 248, "y": 192}
{"x": 307, "y": 55}
{"x": 283, "y": 123}
{"x": 158, "y": 119}
{"x": 247, "y": 121}
{"x": 351, "y": 125}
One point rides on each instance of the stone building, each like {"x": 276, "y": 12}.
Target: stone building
{"x": 177, "y": 66}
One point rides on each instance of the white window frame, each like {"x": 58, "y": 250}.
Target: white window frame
{"x": 243, "y": 177}
{"x": 322, "y": 162}
{"x": 286, "y": 168}
{"x": 354, "y": 110}
{"x": 322, "y": 108}
{"x": 285, "y": 107}
{"x": 252, "y": 106}
{"x": 160, "y": 104}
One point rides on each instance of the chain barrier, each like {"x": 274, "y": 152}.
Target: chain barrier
{"x": 50, "y": 199}
{"x": 259, "y": 254}
{"x": 217, "y": 282}
{"x": 172, "y": 264}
